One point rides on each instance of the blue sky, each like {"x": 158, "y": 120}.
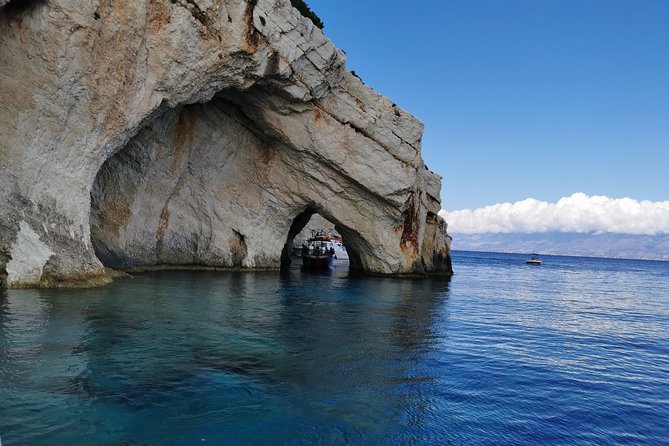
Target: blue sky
{"x": 520, "y": 99}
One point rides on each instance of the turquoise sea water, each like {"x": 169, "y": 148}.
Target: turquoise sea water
{"x": 575, "y": 351}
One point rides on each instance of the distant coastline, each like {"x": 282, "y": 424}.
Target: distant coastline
{"x": 605, "y": 245}
{"x": 523, "y": 256}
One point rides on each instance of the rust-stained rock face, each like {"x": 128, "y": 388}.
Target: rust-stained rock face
{"x": 142, "y": 133}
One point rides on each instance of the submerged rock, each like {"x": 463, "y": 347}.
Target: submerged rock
{"x": 142, "y": 133}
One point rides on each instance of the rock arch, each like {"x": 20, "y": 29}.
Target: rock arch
{"x": 298, "y": 226}
{"x": 195, "y": 136}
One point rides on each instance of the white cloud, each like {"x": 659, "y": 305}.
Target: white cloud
{"x": 578, "y": 213}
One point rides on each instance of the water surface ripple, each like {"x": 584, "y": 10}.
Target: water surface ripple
{"x": 573, "y": 352}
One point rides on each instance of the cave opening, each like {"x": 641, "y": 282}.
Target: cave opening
{"x": 310, "y": 222}
{"x": 201, "y": 185}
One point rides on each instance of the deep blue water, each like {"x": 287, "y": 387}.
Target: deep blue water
{"x": 575, "y": 351}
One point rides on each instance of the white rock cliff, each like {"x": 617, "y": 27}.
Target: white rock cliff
{"x": 197, "y": 132}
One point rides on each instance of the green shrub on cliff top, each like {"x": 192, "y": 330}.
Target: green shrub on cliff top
{"x": 307, "y": 12}
{"x": 20, "y": 6}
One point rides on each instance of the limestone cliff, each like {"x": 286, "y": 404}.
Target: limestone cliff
{"x": 197, "y": 132}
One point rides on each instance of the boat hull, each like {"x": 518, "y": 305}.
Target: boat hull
{"x": 322, "y": 262}
{"x": 340, "y": 252}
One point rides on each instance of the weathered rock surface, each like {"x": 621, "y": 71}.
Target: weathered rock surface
{"x": 197, "y": 132}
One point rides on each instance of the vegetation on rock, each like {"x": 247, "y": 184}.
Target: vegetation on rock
{"x": 19, "y": 6}
{"x": 307, "y": 12}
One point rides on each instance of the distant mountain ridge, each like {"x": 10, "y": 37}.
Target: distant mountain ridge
{"x": 629, "y": 246}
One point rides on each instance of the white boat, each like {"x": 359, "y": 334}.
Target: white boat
{"x": 340, "y": 252}
{"x": 534, "y": 260}
{"x": 318, "y": 253}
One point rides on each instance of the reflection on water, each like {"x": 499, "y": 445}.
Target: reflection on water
{"x": 573, "y": 352}
{"x": 186, "y": 357}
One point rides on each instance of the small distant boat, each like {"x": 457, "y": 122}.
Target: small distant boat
{"x": 534, "y": 260}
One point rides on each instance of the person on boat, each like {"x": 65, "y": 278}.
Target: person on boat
{"x": 305, "y": 253}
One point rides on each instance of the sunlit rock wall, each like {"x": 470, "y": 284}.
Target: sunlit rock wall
{"x": 201, "y": 129}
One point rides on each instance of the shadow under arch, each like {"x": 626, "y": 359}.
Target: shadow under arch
{"x": 352, "y": 240}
